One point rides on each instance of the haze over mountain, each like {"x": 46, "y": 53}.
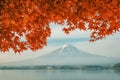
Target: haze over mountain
{"x": 67, "y": 55}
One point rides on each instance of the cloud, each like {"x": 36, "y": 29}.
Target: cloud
{"x": 63, "y": 41}
{"x": 107, "y": 47}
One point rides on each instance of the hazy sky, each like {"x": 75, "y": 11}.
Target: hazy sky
{"x": 107, "y": 47}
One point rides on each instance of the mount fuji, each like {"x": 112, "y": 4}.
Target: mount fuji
{"x": 67, "y": 55}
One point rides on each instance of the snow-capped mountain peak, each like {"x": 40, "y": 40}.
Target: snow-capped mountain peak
{"x": 64, "y": 46}
{"x": 68, "y": 46}
{"x": 67, "y": 49}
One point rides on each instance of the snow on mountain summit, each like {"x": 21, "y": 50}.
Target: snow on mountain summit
{"x": 68, "y": 50}
{"x": 68, "y": 46}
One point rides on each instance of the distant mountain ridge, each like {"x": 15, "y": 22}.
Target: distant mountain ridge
{"x": 67, "y": 55}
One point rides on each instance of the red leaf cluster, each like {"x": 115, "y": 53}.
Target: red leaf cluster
{"x": 24, "y": 24}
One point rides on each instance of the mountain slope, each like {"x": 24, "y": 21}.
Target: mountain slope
{"x": 67, "y": 55}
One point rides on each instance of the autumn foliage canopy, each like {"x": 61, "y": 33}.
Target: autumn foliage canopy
{"x": 24, "y": 24}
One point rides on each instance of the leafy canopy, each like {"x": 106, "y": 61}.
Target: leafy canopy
{"x": 24, "y": 24}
